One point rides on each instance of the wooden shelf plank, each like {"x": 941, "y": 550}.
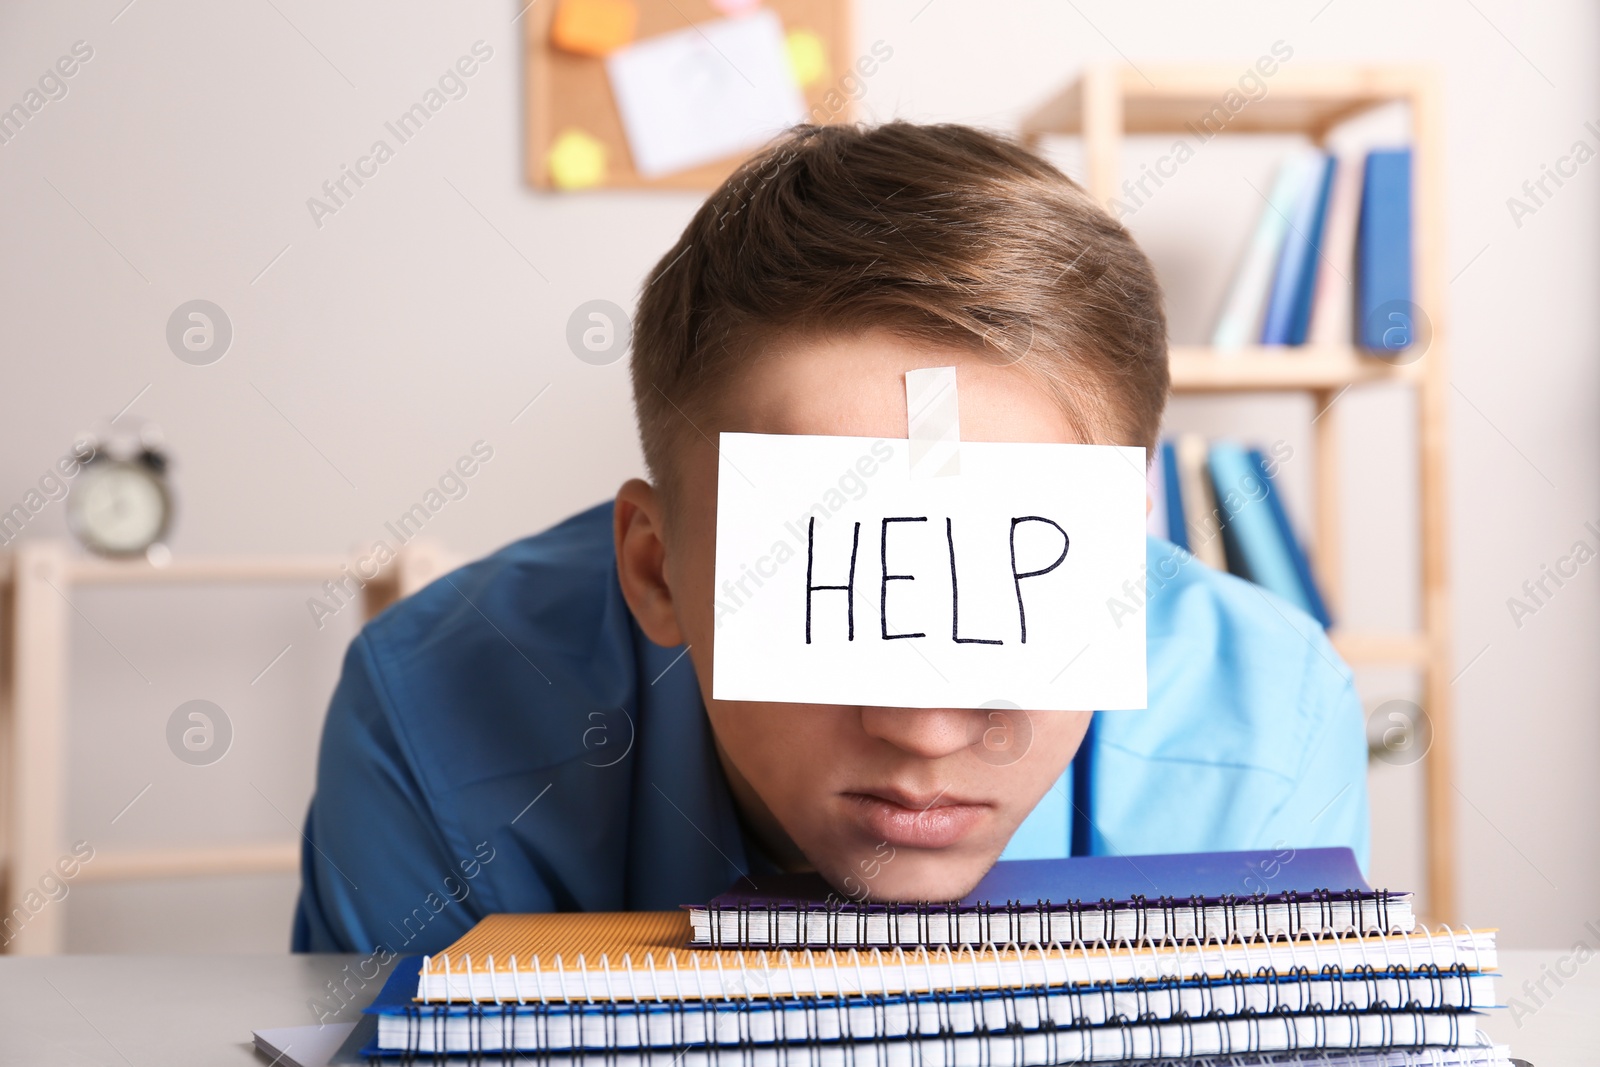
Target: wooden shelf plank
{"x": 1198, "y": 369}
{"x": 424, "y": 559}
{"x": 1359, "y": 648}
{"x": 1196, "y": 99}
{"x": 240, "y": 570}
{"x": 272, "y": 857}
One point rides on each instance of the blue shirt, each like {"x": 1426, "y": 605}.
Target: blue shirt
{"x": 509, "y": 740}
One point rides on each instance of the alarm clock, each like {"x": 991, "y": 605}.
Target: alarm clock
{"x": 121, "y": 505}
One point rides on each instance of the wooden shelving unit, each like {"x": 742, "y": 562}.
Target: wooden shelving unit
{"x": 37, "y": 581}
{"x": 1108, "y": 102}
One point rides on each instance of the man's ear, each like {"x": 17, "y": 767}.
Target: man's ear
{"x": 641, "y": 561}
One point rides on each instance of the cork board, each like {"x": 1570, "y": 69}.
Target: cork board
{"x": 566, "y": 92}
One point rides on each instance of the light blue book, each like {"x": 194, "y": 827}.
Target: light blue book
{"x": 1242, "y": 498}
{"x": 1302, "y": 565}
{"x": 1243, "y": 310}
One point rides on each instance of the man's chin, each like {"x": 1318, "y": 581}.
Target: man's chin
{"x": 911, "y": 875}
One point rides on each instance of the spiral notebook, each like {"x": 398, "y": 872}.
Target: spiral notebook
{"x": 1212, "y": 895}
{"x": 1119, "y": 1043}
{"x": 632, "y": 956}
{"x": 534, "y": 1026}
{"x": 1343, "y": 1038}
{"x": 1479, "y": 1053}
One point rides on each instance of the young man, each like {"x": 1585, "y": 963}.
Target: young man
{"x": 536, "y": 731}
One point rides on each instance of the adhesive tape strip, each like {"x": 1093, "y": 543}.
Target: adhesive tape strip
{"x": 933, "y": 422}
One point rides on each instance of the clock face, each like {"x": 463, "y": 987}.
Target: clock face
{"x": 118, "y": 508}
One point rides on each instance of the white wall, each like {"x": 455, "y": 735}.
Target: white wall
{"x": 426, "y": 313}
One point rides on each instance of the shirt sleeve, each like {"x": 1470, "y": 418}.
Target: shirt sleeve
{"x": 1327, "y": 805}
{"x": 375, "y": 865}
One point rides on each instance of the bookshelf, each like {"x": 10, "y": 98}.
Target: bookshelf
{"x": 1108, "y": 102}
{"x": 37, "y": 581}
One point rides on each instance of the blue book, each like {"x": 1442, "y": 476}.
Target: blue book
{"x": 1241, "y": 498}
{"x": 1302, "y": 565}
{"x": 1305, "y": 295}
{"x": 1383, "y": 304}
{"x": 1177, "y": 529}
{"x": 1232, "y": 550}
{"x": 1239, "y": 323}
{"x": 1289, "y": 307}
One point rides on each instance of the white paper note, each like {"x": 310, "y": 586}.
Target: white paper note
{"x": 705, "y": 92}
{"x": 1043, "y": 538}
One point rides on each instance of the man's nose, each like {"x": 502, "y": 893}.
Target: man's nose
{"x": 929, "y": 733}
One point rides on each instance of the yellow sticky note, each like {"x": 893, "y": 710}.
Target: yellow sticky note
{"x": 576, "y": 160}
{"x": 808, "y": 57}
{"x": 594, "y": 27}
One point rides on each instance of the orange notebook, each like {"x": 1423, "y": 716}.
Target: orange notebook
{"x": 626, "y": 956}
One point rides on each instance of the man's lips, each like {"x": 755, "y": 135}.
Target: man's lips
{"x": 909, "y": 822}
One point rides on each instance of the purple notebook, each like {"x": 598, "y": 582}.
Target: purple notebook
{"x": 1227, "y": 895}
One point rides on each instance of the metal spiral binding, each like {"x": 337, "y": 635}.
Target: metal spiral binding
{"x": 516, "y": 980}
{"x": 846, "y": 923}
{"x": 1253, "y": 1023}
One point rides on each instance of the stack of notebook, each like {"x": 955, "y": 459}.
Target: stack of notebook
{"x": 1098, "y": 959}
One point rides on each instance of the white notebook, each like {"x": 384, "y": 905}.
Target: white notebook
{"x": 631, "y": 956}
{"x": 302, "y": 1046}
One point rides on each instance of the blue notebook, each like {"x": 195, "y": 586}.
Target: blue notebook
{"x": 1383, "y": 254}
{"x": 1086, "y": 898}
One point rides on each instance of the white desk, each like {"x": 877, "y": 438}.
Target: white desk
{"x": 144, "y": 1011}
{"x": 156, "y": 1011}
{"x": 1566, "y": 1029}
